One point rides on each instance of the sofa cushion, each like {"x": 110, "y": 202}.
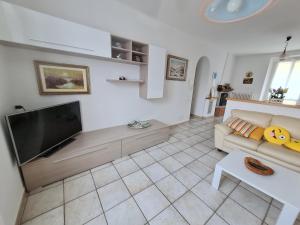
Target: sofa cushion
{"x": 257, "y": 118}
{"x": 290, "y": 123}
{"x": 280, "y": 152}
{"x": 244, "y": 142}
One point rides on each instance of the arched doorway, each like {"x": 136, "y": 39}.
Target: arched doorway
{"x": 201, "y": 86}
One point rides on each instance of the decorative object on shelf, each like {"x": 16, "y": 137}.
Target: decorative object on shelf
{"x": 277, "y": 95}
{"x": 117, "y": 44}
{"x": 224, "y": 88}
{"x": 122, "y": 78}
{"x": 137, "y": 58}
{"x": 136, "y": 124}
{"x": 56, "y": 78}
{"x": 258, "y": 167}
{"x": 248, "y": 79}
{"x": 176, "y": 68}
{"x": 228, "y": 11}
{"x": 283, "y": 55}
{"x": 120, "y": 56}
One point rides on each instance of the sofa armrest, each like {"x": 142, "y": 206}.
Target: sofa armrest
{"x": 223, "y": 128}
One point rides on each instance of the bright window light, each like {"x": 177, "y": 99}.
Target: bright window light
{"x": 287, "y": 75}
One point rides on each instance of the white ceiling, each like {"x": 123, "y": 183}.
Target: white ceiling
{"x": 265, "y": 32}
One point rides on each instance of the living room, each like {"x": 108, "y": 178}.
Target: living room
{"x": 157, "y": 86}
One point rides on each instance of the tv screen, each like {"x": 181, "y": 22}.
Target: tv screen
{"x": 36, "y": 132}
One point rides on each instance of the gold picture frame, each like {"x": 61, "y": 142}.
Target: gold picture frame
{"x": 176, "y": 68}
{"x": 62, "y": 79}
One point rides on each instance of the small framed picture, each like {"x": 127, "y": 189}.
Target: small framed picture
{"x": 248, "y": 79}
{"x": 176, "y": 68}
{"x": 62, "y": 79}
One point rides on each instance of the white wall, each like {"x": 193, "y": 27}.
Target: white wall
{"x": 238, "y": 65}
{"x": 109, "y": 104}
{"x": 11, "y": 187}
{"x": 258, "y": 64}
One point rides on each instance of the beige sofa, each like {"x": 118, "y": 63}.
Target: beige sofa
{"x": 228, "y": 142}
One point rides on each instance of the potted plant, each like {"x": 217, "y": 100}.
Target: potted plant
{"x": 277, "y": 95}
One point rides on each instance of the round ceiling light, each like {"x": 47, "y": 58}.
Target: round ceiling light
{"x": 227, "y": 11}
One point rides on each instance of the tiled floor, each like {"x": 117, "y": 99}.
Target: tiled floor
{"x": 168, "y": 184}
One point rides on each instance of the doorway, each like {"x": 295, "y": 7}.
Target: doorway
{"x": 201, "y": 86}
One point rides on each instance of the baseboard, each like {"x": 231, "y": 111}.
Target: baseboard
{"x": 21, "y": 208}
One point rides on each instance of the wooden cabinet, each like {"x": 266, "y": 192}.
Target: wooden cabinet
{"x": 154, "y": 73}
{"x": 92, "y": 149}
{"x": 142, "y": 141}
{"x": 24, "y": 26}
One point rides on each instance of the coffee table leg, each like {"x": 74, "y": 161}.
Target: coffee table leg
{"x": 288, "y": 215}
{"x": 217, "y": 177}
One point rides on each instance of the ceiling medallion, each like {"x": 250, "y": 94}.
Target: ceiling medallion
{"x": 228, "y": 11}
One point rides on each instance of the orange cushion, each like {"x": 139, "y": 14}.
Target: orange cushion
{"x": 257, "y": 134}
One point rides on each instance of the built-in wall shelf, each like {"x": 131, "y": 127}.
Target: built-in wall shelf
{"x": 129, "y": 51}
{"x": 125, "y": 81}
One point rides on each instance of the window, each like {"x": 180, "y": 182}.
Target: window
{"x": 287, "y": 75}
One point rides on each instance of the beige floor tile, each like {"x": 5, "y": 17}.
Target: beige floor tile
{"x": 171, "y": 188}
{"x": 151, "y": 201}
{"x": 144, "y": 160}
{"x": 194, "y": 152}
{"x": 257, "y": 192}
{"x": 187, "y": 177}
{"x": 183, "y": 158}
{"x": 156, "y": 172}
{"x": 158, "y": 154}
{"x": 181, "y": 145}
{"x": 169, "y": 216}
{"x": 199, "y": 169}
{"x": 208, "y": 161}
{"x": 126, "y": 167}
{"x": 53, "y": 217}
{"x": 216, "y": 220}
{"x": 42, "y": 202}
{"x": 203, "y": 148}
{"x": 100, "y": 220}
{"x": 272, "y": 215}
{"x": 137, "y": 182}
{"x": 193, "y": 209}
{"x": 217, "y": 154}
{"x": 226, "y": 185}
{"x": 83, "y": 209}
{"x": 193, "y": 140}
{"x": 105, "y": 176}
{"x": 78, "y": 187}
{"x": 126, "y": 213}
{"x": 112, "y": 194}
{"x": 250, "y": 201}
{"x": 212, "y": 197}
{"x": 171, "y": 149}
{"x": 234, "y": 214}
{"x": 171, "y": 164}
{"x": 172, "y": 140}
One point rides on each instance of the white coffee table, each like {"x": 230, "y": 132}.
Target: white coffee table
{"x": 283, "y": 185}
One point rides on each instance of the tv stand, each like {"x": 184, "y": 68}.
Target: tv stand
{"x": 57, "y": 148}
{"x": 91, "y": 149}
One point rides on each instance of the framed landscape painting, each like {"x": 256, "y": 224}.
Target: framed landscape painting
{"x": 62, "y": 79}
{"x": 176, "y": 68}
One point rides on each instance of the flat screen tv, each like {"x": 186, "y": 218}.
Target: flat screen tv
{"x": 36, "y": 132}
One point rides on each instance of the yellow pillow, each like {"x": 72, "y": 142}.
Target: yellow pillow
{"x": 277, "y": 135}
{"x": 293, "y": 145}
